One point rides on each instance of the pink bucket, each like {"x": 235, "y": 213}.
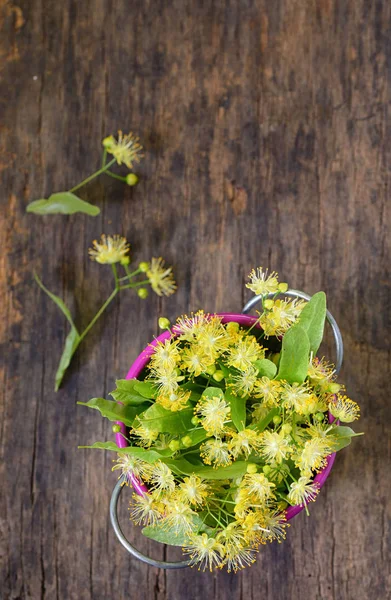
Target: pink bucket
{"x": 143, "y": 359}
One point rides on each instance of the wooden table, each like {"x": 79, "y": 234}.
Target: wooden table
{"x": 267, "y": 134}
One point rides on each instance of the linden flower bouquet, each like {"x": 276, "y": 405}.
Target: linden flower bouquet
{"x": 227, "y": 426}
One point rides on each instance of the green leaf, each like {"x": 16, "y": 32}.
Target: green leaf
{"x": 266, "y": 368}
{"x": 165, "y": 535}
{"x": 72, "y": 340}
{"x": 149, "y": 456}
{"x": 71, "y": 343}
{"x": 312, "y": 319}
{"x": 238, "y": 409}
{"x": 343, "y": 436}
{"x": 294, "y": 355}
{"x": 261, "y": 425}
{"x": 126, "y": 393}
{"x": 213, "y": 392}
{"x": 57, "y": 300}
{"x": 146, "y": 389}
{"x": 182, "y": 466}
{"x": 196, "y": 436}
{"x": 157, "y": 418}
{"x": 114, "y": 411}
{"x": 64, "y": 203}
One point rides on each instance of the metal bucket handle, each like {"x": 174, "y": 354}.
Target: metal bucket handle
{"x": 120, "y": 484}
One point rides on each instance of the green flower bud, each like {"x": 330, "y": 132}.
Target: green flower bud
{"x": 266, "y": 469}
{"x": 283, "y": 287}
{"x": 144, "y": 267}
{"x": 252, "y": 468}
{"x": 125, "y": 261}
{"x": 276, "y": 358}
{"x": 187, "y": 441}
{"x": 174, "y": 445}
{"x": 277, "y": 419}
{"x": 195, "y": 421}
{"x": 268, "y": 304}
{"x": 107, "y": 141}
{"x": 164, "y": 323}
{"x": 218, "y": 376}
{"x": 131, "y": 179}
{"x": 142, "y": 293}
{"x": 116, "y": 428}
{"x": 319, "y": 416}
{"x": 286, "y": 428}
{"x": 334, "y": 388}
{"x": 210, "y": 370}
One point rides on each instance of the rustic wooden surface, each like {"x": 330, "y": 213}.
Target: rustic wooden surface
{"x": 267, "y": 134}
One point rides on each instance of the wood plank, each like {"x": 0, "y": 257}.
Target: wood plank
{"x": 267, "y": 140}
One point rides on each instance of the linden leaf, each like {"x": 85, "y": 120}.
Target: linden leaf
{"x": 114, "y": 411}
{"x": 149, "y": 456}
{"x": 126, "y": 393}
{"x": 64, "y": 203}
{"x": 157, "y": 418}
{"x": 72, "y": 340}
{"x": 312, "y": 319}
{"x": 238, "y": 409}
{"x": 266, "y": 368}
{"x": 295, "y": 353}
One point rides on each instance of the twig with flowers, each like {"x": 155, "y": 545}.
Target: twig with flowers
{"x": 113, "y": 251}
{"x": 126, "y": 150}
{"x": 229, "y": 426}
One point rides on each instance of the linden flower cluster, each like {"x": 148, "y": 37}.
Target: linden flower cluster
{"x": 232, "y": 426}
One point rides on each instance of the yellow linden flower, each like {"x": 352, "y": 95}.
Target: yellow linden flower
{"x": 313, "y": 456}
{"x": 147, "y": 437}
{"x": 303, "y": 491}
{"x": 214, "y": 413}
{"x": 281, "y": 316}
{"x": 254, "y": 527}
{"x": 165, "y": 357}
{"x": 236, "y": 558}
{"x": 275, "y": 525}
{"x": 178, "y": 517}
{"x": 160, "y": 277}
{"x": 262, "y": 283}
{"x": 109, "y": 250}
{"x": 193, "y": 490}
{"x": 131, "y": 465}
{"x": 146, "y": 509}
{"x": 297, "y": 397}
{"x": 344, "y": 409}
{"x": 243, "y": 383}
{"x": 274, "y": 446}
{"x": 206, "y": 552}
{"x": 232, "y": 535}
{"x": 194, "y": 360}
{"x": 126, "y": 149}
{"x": 166, "y": 382}
{"x": 320, "y": 369}
{"x": 176, "y": 400}
{"x": 212, "y": 338}
{"x": 258, "y": 486}
{"x": 244, "y": 353}
{"x": 189, "y": 327}
{"x": 243, "y": 442}
{"x": 216, "y": 452}
{"x": 161, "y": 478}
{"x": 269, "y": 390}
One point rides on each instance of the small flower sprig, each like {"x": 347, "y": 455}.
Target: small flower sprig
{"x": 125, "y": 150}
{"x": 113, "y": 251}
{"x": 228, "y": 426}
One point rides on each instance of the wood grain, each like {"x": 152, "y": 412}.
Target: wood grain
{"x": 267, "y": 135}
